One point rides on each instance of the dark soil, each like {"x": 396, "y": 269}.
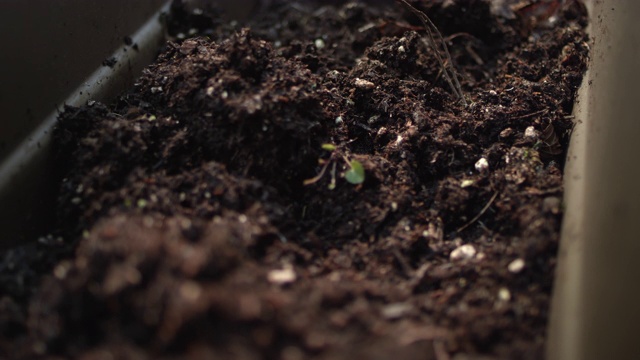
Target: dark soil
{"x": 185, "y": 230}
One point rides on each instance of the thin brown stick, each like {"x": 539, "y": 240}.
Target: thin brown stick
{"x": 539, "y": 112}
{"x": 317, "y": 178}
{"x": 484, "y": 209}
{"x": 404, "y": 264}
{"x": 441, "y": 52}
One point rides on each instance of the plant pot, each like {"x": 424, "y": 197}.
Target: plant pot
{"x": 594, "y": 312}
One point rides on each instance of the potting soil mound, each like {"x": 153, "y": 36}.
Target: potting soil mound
{"x": 306, "y": 184}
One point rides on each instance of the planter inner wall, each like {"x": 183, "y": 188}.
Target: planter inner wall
{"x": 52, "y": 54}
{"x": 595, "y": 312}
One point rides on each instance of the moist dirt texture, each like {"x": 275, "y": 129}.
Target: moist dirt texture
{"x": 219, "y": 209}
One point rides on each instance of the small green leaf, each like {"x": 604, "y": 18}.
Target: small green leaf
{"x": 355, "y": 175}
{"x": 329, "y": 147}
{"x": 142, "y": 203}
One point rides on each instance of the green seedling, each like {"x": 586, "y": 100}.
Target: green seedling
{"x": 355, "y": 174}
{"x": 332, "y": 184}
{"x": 329, "y": 147}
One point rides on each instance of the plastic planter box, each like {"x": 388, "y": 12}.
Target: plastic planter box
{"x": 56, "y": 57}
{"x": 53, "y": 54}
{"x": 595, "y": 312}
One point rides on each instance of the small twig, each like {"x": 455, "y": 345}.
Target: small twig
{"x": 364, "y": 127}
{"x": 474, "y": 55}
{"x": 538, "y": 192}
{"x": 539, "y": 112}
{"x": 484, "y": 209}
{"x": 404, "y": 264}
{"x": 441, "y": 52}
{"x": 469, "y": 47}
